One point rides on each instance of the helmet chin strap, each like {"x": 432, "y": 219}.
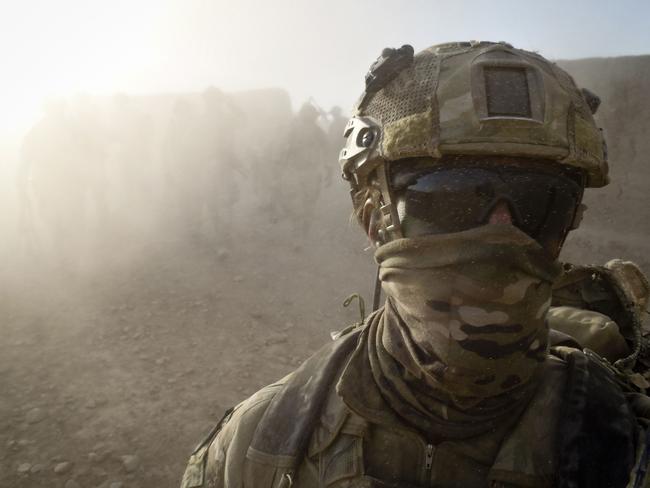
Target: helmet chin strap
{"x": 391, "y": 227}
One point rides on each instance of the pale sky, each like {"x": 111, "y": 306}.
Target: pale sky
{"x": 317, "y": 48}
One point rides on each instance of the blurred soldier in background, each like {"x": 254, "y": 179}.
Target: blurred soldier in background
{"x": 44, "y": 154}
{"x": 61, "y": 166}
{"x": 334, "y": 133}
{"x": 91, "y": 150}
{"x": 267, "y": 115}
{"x": 335, "y": 128}
{"x": 183, "y": 171}
{"x": 305, "y": 169}
{"x": 131, "y": 164}
{"x": 467, "y": 165}
{"x": 220, "y": 123}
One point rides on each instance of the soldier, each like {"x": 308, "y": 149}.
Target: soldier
{"x": 132, "y": 132}
{"x": 305, "y": 170}
{"x": 184, "y": 171}
{"x": 336, "y": 126}
{"x": 52, "y": 186}
{"x": 467, "y": 164}
{"x": 334, "y": 132}
{"x": 222, "y": 167}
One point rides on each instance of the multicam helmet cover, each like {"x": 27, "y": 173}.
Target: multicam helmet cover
{"x": 478, "y": 99}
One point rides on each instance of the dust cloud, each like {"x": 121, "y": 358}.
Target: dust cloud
{"x": 165, "y": 256}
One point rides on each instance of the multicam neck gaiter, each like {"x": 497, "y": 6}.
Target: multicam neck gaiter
{"x": 472, "y": 307}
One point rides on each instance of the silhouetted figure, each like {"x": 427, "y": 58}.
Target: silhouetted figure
{"x": 52, "y": 183}
{"x": 90, "y": 148}
{"x": 220, "y": 122}
{"x": 305, "y": 168}
{"x": 335, "y": 130}
{"x": 183, "y": 171}
{"x": 131, "y": 164}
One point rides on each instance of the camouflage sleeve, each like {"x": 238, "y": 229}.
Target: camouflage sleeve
{"x": 218, "y": 462}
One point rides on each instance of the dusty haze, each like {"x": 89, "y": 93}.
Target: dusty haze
{"x": 172, "y": 243}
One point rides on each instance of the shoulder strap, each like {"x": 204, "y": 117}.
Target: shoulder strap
{"x": 599, "y": 431}
{"x": 194, "y": 475}
{"x": 282, "y": 436}
{"x": 516, "y": 464}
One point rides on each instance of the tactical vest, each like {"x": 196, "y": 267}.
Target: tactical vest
{"x": 577, "y": 431}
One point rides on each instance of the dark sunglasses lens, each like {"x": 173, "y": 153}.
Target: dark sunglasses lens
{"x": 455, "y": 199}
{"x": 448, "y": 200}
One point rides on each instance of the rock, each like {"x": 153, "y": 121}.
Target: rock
{"x": 279, "y": 338}
{"x": 100, "y": 446}
{"x": 238, "y": 279}
{"x": 97, "y": 473}
{"x": 62, "y": 468}
{"x": 37, "y": 468}
{"x": 24, "y": 468}
{"x": 116, "y": 484}
{"x": 35, "y": 415}
{"x": 71, "y": 484}
{"x": 91, "y": 404}
{"x": 223, "y": 254}
{"x": 131, "y": 462}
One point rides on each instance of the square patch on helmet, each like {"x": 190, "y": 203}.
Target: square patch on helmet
{"x": 506, "y": 92}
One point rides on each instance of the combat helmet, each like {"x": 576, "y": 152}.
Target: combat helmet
{"x": 468, "y": 99}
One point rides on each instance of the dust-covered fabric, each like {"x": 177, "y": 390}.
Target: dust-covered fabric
{"x": 378, "y": 388}
{"x": 467, "y": 310}
{"x": 429, "y": 409}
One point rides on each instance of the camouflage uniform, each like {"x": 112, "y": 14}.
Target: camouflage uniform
{"x": 457, "y": 380}
{"x": 376, "y": 449}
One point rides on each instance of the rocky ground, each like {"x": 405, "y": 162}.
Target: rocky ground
{"x": 110, "y": 378}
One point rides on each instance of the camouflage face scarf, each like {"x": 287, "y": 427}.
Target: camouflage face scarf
{"x": 466, "y": 310}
